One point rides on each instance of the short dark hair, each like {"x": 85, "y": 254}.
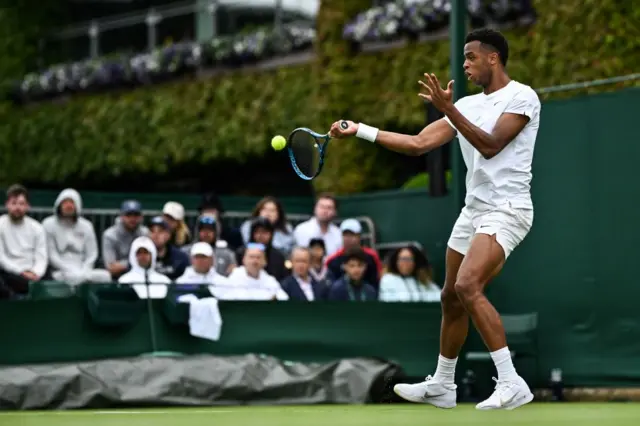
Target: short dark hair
{"x": 355, "y": 253}
{"x": 327, "y": 196}
{"x": 17, "y": 190}
{"x": 493, "y": 40}
{"x": 317, "y": 242}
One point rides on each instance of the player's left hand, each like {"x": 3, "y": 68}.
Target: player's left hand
{"x": 439, "y": 97}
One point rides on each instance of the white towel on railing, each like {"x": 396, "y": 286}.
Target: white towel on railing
{"x": 205, "y": 320}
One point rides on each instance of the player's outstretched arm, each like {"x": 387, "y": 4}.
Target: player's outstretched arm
{"x": 434, "y": 135}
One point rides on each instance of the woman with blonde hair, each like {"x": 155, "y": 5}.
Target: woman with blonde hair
{"x": 173, "y": 214}
{"x": 408, "y": 278}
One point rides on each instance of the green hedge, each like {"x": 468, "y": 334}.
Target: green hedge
{"x": 233, "y": 116}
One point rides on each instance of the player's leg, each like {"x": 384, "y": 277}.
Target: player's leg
{"x": 440, "y": 390}
{"x": 498, "y": 234}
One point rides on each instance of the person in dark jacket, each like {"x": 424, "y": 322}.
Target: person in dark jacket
{"x": 300, "y": 285}
{"x": 170, "y": 260}
{"x": 351, "y": 231}
{"x": 352, "y": 287}
{"x": 211, "y": 204}
{"x": 262, "y": 232}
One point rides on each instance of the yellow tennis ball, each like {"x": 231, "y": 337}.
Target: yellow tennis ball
{"x": 278, "y": 142}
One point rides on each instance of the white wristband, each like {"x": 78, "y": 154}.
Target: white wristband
{"x": 367, "y": 133}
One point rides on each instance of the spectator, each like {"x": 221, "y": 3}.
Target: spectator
{"x": 320, "y": 226}
{"x": 174, "y": 215}
{"x": 408, "y": 278}
{"x": 72, "y": 243}
{"x": 352, "y": 286}
{"x": 142, "y": 258}
{"x": 318, "y": 269}
{"x": 206, "y": 230}
{"x": 116, "y": 240}
{"x": 170, "y": 260}
{"x": 23, "y": 245}
{"x": 211, "y": 204}
{"x": 271, "y": 209}
{"x": 202, "y": 270}
{"x": 262, "y": 232}
{"x": 250, "y": 281}
{"x": 351, "y": 230}
{"x": 300, "y": 285}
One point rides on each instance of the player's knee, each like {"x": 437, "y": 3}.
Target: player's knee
{"x": 467, "y": 288}
{"x": 449, "y": 299}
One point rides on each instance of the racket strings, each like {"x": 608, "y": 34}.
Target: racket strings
{"x": 306, "y": 153}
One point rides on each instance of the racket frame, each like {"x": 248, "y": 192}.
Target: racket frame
{"x": 322, "y": 142}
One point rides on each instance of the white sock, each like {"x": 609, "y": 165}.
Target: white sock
{"x": 504, "y": 364}
{"x": 446, "y": 370}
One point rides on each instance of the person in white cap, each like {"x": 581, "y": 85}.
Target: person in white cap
{"x": 351, "y": 231}
{"x": 173, "y": 213}
{"x": 202, "y": 270}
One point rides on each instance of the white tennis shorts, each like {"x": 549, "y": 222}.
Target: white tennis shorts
{"x": 509, "y": 224}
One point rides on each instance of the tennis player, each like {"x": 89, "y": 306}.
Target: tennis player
{"x": 497, "y": 131}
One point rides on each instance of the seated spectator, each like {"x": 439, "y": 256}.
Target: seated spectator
{"x": 408, "y": 278}
{"x": 250, "y": 281}
{"x": 142, "y": 258}
{"x": 352, "y": 286}
{"x": 173, "y": 213}
{"x": 271, "y": 209}
{"x": 116, "y": 240}
{"x": 202, "y": 270}
{"x": 320, "y": 226}
{"x": 318, "y": 269}
{"x": 170, "y": 260}
{"x": 351, "y": 230}
{"x": 262, "y": 232}
{"x": 212, "y": 205}
{"x": 72, "y": 243}
{"x": 206, "y": 230}
{"x": 300, "y": 285}
{"x": 23, "y": 246}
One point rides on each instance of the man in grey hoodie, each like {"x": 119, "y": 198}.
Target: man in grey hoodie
{"x": 117, "y": 240}
{"x": 71, "y": 242}
{"x": 23, "y": 246}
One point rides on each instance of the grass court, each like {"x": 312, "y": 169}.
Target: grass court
{"x": 540, "y": 414}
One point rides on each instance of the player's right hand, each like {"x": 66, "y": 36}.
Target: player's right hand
{"x": 340, "y": 133}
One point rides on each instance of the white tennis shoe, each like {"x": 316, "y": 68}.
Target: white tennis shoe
{"x": 508, "y": 394}
{"x": 428, "y": 392}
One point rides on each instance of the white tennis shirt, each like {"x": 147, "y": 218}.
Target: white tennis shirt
{"x": 507, "y": 176}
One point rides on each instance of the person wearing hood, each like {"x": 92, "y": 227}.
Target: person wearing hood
{"x": 170, "y": 260}
{"x": 142, "y": 258}
{"x": 206, "y": 231}
{"x": 116, "y": 240}
{"x": 262, "y": 231}
{"x": 202, "y": 270}
{"x": 250, "y": 281}
{"x": 72, "y": 244}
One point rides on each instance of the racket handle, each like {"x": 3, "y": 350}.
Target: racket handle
{"x": 344, "y": 125}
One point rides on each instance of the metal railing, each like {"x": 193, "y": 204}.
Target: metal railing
{"x": 152, "y": 17}
{"x": 104, "y": 218}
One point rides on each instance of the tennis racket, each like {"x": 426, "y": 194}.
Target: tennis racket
{"x": 307, "y": 149}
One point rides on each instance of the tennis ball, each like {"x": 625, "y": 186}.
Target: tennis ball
{"x": 278, "y": 142}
